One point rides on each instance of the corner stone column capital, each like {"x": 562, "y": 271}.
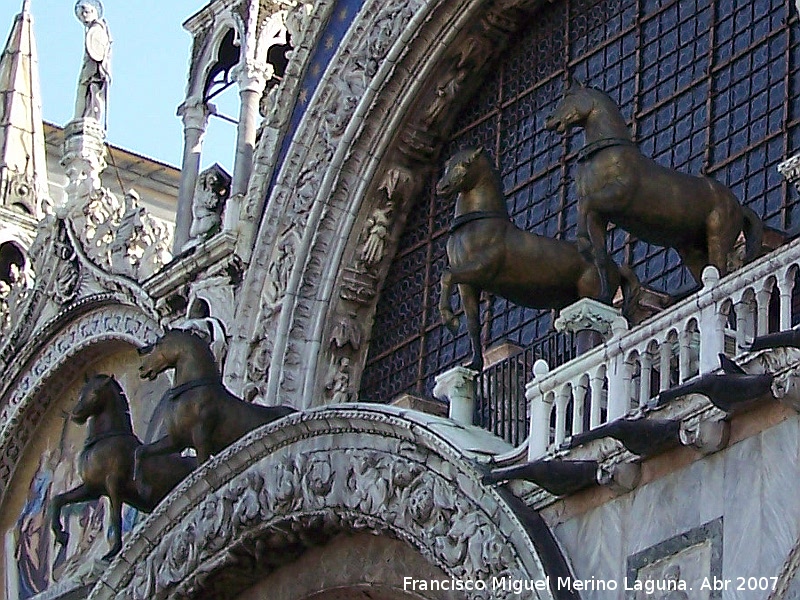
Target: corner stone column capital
{"x": 457, "y": 385}
{"x": 252, "y": 76}
{"x": 194, "y": 113}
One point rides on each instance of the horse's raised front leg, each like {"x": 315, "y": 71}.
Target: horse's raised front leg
{"x": 470, "y": 299}
{"x": 115, "y": 527}
{"x": 445, "y": 308}
{"x": 79, "y": 494}
{"x": 596, "y": 227}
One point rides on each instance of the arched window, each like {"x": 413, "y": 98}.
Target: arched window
{"x": 12, "y": 261}
{"x": 707, "y": 86}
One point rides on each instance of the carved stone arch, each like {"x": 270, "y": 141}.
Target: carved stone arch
{"x": 211, "y": 42}
{"x": 55, "y": 360}
{"x": 295, "y": 485}
{"x": 370, "y": 136}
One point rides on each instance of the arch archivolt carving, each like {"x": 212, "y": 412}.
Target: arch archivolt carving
{"x": 283, "y": 489}
{"x": 76, "y": 344}
{"x": 358, "y": 159}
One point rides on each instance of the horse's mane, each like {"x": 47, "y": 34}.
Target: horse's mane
{"x": 494, "y": 173}
{"x": 612, "y": 109}
{"x": 198, "y": 344}
{"x": 122, "y": 399}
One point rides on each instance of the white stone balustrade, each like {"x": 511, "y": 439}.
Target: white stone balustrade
{"x": 681, "y": 342}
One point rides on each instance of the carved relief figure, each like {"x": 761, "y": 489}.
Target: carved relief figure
{"x": 106, "y": 462}
{"x": 486, "y": 251}
{"x": 202, "y": 413}
{"x": 378, "y": 228}
{"x": 697, "y": 216}
{"x": 95, "y": 76}
{"x": 339, "y": 381}
{"x": 213, "y": 188}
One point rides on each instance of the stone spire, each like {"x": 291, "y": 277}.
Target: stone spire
{"x": 23, "y": 167}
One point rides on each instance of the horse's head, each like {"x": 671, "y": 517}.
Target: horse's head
{"x": 174, "y": 346}
{"x": 460, "y": 172}
{"x": 94, "y": 397}
{"x": 575, "y": 106}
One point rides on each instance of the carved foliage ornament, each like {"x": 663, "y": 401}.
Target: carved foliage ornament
{"x": 330, "y": 491}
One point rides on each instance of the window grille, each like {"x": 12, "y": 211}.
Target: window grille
{"x": 708, "y": 86}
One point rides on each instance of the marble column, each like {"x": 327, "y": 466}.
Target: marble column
{"x": 194, "y": 112}
{"x": 252, "y": 78}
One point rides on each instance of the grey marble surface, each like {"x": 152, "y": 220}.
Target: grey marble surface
{"x": 753, "y": 486}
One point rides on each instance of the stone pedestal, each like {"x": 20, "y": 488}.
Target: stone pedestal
{"x": 426, "y": 405}
{"x": 458, "y": 387}
{"x": 83, "y": 158}
{"x": 591, "y": 321}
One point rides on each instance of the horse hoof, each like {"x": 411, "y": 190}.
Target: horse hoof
{"x": 452, "y": 325}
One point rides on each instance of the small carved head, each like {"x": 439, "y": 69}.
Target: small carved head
{"x": 215, "y": 182}
{"x": 88, "y": 11}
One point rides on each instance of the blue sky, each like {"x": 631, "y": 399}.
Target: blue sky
{"x": 149, "y": 64}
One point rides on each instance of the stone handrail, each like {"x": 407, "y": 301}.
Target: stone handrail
{"x": 681, "y": 342}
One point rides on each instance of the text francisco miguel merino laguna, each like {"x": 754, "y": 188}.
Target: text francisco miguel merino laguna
{"x": 561, "y": 583}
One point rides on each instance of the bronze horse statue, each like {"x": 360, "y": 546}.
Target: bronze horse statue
{"x": 200, "y": 412}
{"x": 486, "y": 251}
{"x": 697, "y": 216}
{"x": 105, "y": 464}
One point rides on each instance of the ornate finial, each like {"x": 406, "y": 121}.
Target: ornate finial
{"x": 26, "y": 6}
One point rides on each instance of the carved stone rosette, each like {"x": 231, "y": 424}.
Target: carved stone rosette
{"x": 291, "y": 486}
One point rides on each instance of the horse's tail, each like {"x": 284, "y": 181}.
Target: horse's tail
{"x": 753, "y": 229}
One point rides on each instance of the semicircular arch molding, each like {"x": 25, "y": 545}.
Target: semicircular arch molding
{"x": 293, "y": 485}
{"x": 58, "y": 358}
{"x": 371, "y": 133}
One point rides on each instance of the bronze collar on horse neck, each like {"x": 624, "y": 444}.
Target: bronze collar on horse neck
{"x": 175, "y": 392}
{"x": 593, "y": 148}
{"x": 477, "y": 215}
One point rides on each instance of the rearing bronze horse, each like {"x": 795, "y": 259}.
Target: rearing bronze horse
{"x": 697, "y": 216}
{"x": 105, "y": 464}
{"x": 201, "y": 413}
{"x": 486, "y": 251}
